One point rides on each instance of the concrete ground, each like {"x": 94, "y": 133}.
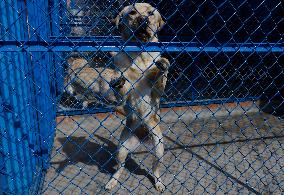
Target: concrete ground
{"x": 219, "y": 149}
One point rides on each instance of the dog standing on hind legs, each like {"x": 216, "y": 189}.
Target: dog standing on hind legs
{"x": 141, "y": 107}
{"x": 143, "y": 79}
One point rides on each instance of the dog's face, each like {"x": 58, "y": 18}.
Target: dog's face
{"x": 140, "y": 21}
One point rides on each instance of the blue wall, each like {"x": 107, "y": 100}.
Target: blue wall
{"x": 26, "y": 99}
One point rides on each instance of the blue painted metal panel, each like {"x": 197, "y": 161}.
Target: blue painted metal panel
{"x": 24, "y": 135}
{"x": 23, "y": 118}
{"x": 43, "y": 78}
{"x": 10, "y": 148}
{"x": 42, "y": 68}
{"x": 27, "y": 126}
{"x": 4, "y": 150}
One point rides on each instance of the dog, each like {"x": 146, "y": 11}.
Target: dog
{"x": 139, "y": 88}
{"x": 88, "y": 84}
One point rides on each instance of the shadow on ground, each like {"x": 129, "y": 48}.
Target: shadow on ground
{"x": 273, "y": 106}
{"x": 80, "y": 149}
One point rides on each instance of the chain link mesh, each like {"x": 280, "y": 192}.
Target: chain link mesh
{"x": 221, "y": 112}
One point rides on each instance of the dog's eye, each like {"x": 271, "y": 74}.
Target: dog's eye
{"x": 151, "y": 13}
{"x": 133, "y": 12}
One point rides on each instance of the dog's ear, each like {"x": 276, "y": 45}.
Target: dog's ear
{"x": 161, "y": 22}
{"x": 116, "y": 20}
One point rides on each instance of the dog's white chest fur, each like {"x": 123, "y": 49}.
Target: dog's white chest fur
{"x": 137, "y": 60}
{"x": 140, "y": 104}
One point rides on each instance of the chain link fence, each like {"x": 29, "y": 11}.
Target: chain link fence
{"x": 75, "y": 79}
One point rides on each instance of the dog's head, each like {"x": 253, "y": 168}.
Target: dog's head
{"x": 139, "y": 21}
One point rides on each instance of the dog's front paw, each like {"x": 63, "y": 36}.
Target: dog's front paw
{"x": 160, "y": 186}
{"x": 111, "y": 184}
{"x": 163, "y": 64}
{"x": 85, "y": 104}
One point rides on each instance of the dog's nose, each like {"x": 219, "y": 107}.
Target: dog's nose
{"x": 132, "y": 13}
{"x": 140, "y": 19}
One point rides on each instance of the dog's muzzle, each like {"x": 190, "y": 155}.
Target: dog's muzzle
{"x": 143, "y": 22}
{"x": 142, "y": 29}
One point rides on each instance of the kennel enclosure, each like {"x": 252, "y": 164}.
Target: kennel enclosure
{"x": 222, "y": 110}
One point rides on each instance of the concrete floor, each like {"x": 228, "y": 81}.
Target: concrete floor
{"x": 229, "y": 153}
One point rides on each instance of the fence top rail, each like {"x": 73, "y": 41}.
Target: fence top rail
{"x": 111, "y": 45}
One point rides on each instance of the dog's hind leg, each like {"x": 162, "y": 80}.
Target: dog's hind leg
{"x": 129, "y": 143}
{"x": 157, "y": 136}
{"x": 159, "y": 153}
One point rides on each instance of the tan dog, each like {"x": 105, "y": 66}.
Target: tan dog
{"x": 90, "y": 85}
{"x": 140, "y": 87}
